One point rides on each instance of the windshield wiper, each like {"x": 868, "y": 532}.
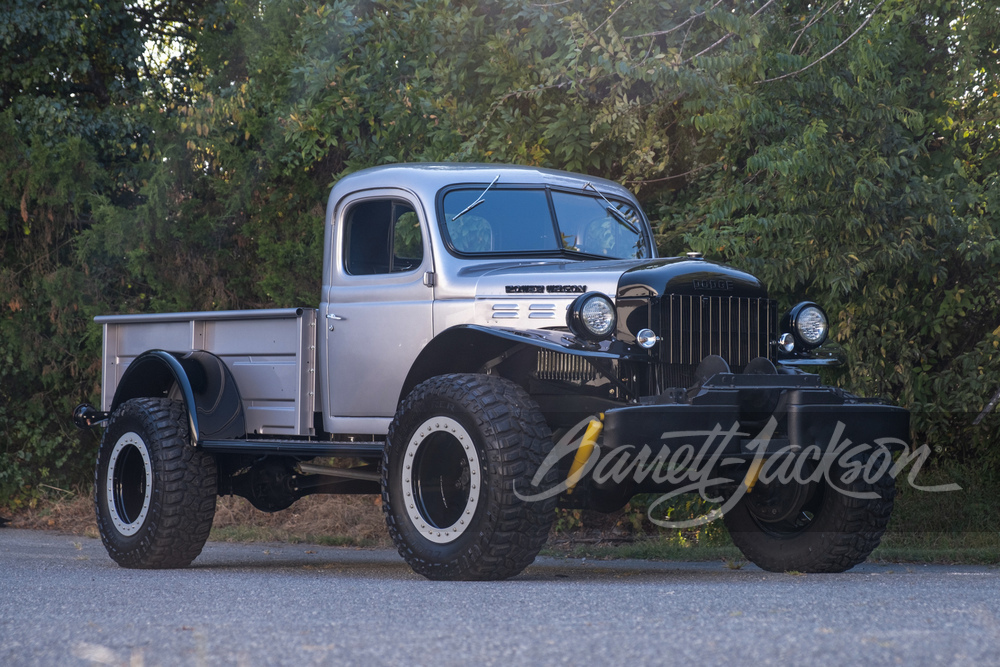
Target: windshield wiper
{"x": 569, "y": 252}
{"x": 610, "y": 208}
{"x": 478, "y": 201}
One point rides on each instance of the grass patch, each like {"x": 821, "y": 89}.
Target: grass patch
{"x": 645, "y": 549}
{"x": 327, "y": 520}
{"x": 972, "y": 548}
{"x": 340, "y": 541}
{"x": 68, "y": 511}
{"x": 990, "y": 556}
{"x": 934, "y": 548}
{"x": 961, "y": 526}
{"x": 250, "y": 533}
{"x": 952, "y": 527}
{"x": 240, "y": 533}
{"x": 975, "y": 508}
{"x": 354, "y": 521}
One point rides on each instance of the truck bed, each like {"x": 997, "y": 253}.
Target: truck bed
{"x": 271, "y": 354}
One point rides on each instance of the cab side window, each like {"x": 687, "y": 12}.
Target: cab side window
{"x": 382, "y": 236}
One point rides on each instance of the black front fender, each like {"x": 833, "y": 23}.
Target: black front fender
{"x": 205, "y": 384}
{"x": 466, "y": 348}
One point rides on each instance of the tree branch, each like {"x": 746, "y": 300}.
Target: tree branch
{"x": 989, "y": 407}
{"x": 811, "y": 23}
{"x": 624, "y": 2}
{"x": 660, "y": 33}
{"x": 670, "y": 178}
{"x": 828, "y": 53}
{"x": 728, "y": 35}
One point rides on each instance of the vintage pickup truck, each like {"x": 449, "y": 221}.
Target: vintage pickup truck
{"x": 493, "y": 341}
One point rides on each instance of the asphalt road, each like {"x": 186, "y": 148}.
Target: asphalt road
{"x": 64, "y": 602}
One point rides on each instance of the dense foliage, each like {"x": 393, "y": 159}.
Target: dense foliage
{"x": 176, "y": 155}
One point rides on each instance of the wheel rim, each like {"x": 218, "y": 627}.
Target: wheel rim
{"x": 129, "y": 484}
{"x": 441, "y": 479}
{"x": 795, "y": 520}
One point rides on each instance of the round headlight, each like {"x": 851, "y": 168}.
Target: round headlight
{"x": 592, "y": 316}
{"x": 808, "y": 323}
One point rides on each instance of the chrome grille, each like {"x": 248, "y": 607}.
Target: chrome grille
{"x": 738, "y": 329}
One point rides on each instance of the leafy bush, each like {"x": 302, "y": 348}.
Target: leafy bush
{"x": 177, "y": 156}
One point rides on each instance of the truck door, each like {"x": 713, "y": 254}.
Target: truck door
{"x": 376, "y": 312}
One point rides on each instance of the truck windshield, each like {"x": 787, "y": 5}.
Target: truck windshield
{"x": 512, "y": 220}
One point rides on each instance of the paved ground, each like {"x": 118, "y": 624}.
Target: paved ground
{"x": 64, "y": 602}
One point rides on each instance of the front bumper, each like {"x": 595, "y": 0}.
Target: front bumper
{"x": 746, "y": 415}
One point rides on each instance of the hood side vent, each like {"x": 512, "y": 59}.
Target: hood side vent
{"x": 505, "y": 311}
{"x": 560, "y": 367}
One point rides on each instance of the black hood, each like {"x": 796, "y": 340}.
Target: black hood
{"x": 695, "y": 277}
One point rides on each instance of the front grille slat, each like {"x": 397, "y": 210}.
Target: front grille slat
{"x": 738, "y": 329}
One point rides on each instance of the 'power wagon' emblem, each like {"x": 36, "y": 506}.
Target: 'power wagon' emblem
{"x": 726, "y": 285}
{"x": 542, "y": 289}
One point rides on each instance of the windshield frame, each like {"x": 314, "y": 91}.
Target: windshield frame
{"x": 560, "y": 252}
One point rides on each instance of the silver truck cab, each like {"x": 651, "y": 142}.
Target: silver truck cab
{"x": 401, "y": 270}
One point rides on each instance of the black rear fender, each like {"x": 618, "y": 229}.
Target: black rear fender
{"x": 200, "y": 379}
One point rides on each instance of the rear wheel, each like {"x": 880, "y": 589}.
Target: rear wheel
{"x": 459, "y": 447}
{"x": 812, "y": 527}
{"x": 154, "y": 493}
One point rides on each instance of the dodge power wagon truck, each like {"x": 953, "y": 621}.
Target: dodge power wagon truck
{"x": 492, "y": 342}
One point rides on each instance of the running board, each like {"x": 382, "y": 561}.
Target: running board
{"x": 311, "y": 448}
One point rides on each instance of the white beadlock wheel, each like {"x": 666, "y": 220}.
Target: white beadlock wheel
{"x": 441, "y": 474}
{"x": 459, "y": 459}
{"x": 154, "y": 493}
{"x": 129, "y": 484}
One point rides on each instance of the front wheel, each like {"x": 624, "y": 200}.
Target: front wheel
{"x": 459, "y": 447}
{"x": 814, "y": 527}
{"x": 154, "y": 493}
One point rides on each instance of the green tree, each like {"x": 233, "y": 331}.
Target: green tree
{"x": 858, "y": 166}
{"x": 177, "y": 155}
{"x": 78, "y": 107}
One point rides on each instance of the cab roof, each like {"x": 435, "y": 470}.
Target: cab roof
{"x": 427, "y": 178}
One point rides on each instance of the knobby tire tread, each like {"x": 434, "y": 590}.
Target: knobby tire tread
{"x": 516, "y": 530}
{"x": 183, "y": 507}
{"x": 857, "y": 528}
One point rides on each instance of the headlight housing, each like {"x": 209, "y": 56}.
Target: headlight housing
{"x": 592, "y": 316}
{"x": 808, "y": 323}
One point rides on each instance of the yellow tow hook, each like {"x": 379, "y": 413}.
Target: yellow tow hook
{"x": 752, "y": 474}
{"x": 590, "y": 436}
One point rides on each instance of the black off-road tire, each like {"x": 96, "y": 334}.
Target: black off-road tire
{"x": 834, "y": 533}
{"x": 451, "y": 431}
{"x": 153, "y": 492}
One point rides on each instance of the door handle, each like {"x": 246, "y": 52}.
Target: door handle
{"x": 332, "y": 317}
